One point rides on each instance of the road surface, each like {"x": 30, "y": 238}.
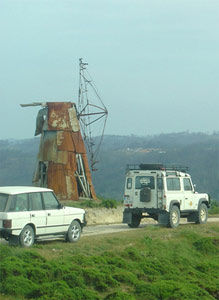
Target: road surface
{"x": 111, "y": 228}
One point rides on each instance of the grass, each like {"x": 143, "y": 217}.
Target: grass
{"x": 149, "y": 263}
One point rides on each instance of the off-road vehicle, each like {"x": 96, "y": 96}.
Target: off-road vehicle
{"x": 164, "y": 193}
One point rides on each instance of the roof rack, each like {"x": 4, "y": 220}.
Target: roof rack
{"x": 157, "y": 167}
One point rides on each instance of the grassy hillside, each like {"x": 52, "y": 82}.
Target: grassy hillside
{"x": 149, "y": 263}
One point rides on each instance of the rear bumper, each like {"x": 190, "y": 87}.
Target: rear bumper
{"x": 4, "y": 233}
{"x": 157, "y": 214}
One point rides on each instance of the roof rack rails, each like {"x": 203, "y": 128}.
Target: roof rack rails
{"x": 157, "y": 167}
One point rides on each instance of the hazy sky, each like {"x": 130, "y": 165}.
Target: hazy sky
{"x": 155, "y": 62}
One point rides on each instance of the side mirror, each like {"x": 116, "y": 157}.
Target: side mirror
{"x": 194, "y": 185}
{"x": 60, "y": 206}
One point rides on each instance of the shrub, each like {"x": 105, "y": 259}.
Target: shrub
{"x": 119, "y": 296}
{"x": 206, "y": 244}
{"x": 214, "y": 210}
{"x": 109, "y": 203}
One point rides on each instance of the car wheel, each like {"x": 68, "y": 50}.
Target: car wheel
{"x": 74, "y": 232}
{"x": 202, "y": 214}
{"x": 174, "y": 217}
{"x": 27, "y": 236}
{"x": 136, "y": 220}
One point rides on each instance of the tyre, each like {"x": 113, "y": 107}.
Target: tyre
{"x": 74, "y": 232}
{"x": 202, "y": 214}
{"x": 27, "y": 236}
{"x": 174, "y": 217}
{"x": 136, "y": 220}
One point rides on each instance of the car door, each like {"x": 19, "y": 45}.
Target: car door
{"x": 37, "y": 213}
{"x": 189, "y": 196}
{"x": 54, "y": 214}
{"x": 145, "y": 192}
{"x": 174, "y": 191}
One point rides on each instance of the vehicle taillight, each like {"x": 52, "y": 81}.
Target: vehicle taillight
{"x": 7, "y": 223}
{"x": 128, "y": 205}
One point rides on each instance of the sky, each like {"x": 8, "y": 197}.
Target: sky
{"x": 155, "y": 62}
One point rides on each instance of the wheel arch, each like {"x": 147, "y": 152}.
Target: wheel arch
{"x": 174, "y": 202}
{"x": 31, "y": 225}
{"x": 203, "y": 200}
{"x": 78, "y": 220}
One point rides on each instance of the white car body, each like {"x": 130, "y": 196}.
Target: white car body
{"x": 39, "y": 208}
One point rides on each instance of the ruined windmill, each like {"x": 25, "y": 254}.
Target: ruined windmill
{"x": 62, "y": 162}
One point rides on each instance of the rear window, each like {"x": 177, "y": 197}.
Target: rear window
{"x": 144, "y": 181}
{"x": 3, "y": 201}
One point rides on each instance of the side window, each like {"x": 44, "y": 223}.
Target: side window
{"x": 50, "y": 201}
{"x": 35, "y": 201}
{"x": 19, "y": 203}
{"x": 173, "y": 184}
{"x": 187, "y": 184}
{"x": 129, "y": 183}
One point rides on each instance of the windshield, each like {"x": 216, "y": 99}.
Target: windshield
{"x": 3, "y": 201}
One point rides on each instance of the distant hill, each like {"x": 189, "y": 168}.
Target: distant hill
{"x": 198, "y": 151}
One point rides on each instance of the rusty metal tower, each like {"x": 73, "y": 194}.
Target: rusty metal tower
{"x": 62, "y": 162}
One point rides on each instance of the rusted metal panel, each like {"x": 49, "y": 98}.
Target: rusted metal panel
{"x": 78, "y": 142}
{"x": 58, "y": 117}
{"x": 72, "y": 164}
{"x": 62, "y": 161}
{"x": 71, "y": 186}
{"x": 48, "y": 147}
{"x": 65, "y": 141}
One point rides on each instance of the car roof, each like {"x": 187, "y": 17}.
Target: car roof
{"x": 13, "y": 190}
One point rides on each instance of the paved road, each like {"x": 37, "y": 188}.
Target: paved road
{"x": 111, "y": 228}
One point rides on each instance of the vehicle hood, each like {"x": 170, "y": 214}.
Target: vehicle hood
{"x": 74, "y": 210}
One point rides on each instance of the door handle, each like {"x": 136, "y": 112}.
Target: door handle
{"x": 49, "y": 214}
{"x": 32, "y": 215}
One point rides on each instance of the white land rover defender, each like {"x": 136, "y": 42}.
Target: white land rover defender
{"x": 164, "y": 193}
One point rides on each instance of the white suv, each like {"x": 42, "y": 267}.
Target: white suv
{"x": 164, "y": 193}
{"x": 27, "y": 213}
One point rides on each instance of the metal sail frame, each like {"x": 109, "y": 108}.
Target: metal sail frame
{"x": 89, "y": 113}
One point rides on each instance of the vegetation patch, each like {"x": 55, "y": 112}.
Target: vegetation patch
{"x": 140, "y": 264}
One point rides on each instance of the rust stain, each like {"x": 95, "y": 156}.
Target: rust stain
{"x": 73, "y": 119}
{"x": 58, "y": 117}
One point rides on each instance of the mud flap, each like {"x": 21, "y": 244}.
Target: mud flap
{"x": 163, "y": 218}
{"x": 192, "y": 217}
{"x": 127, "y": 217}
